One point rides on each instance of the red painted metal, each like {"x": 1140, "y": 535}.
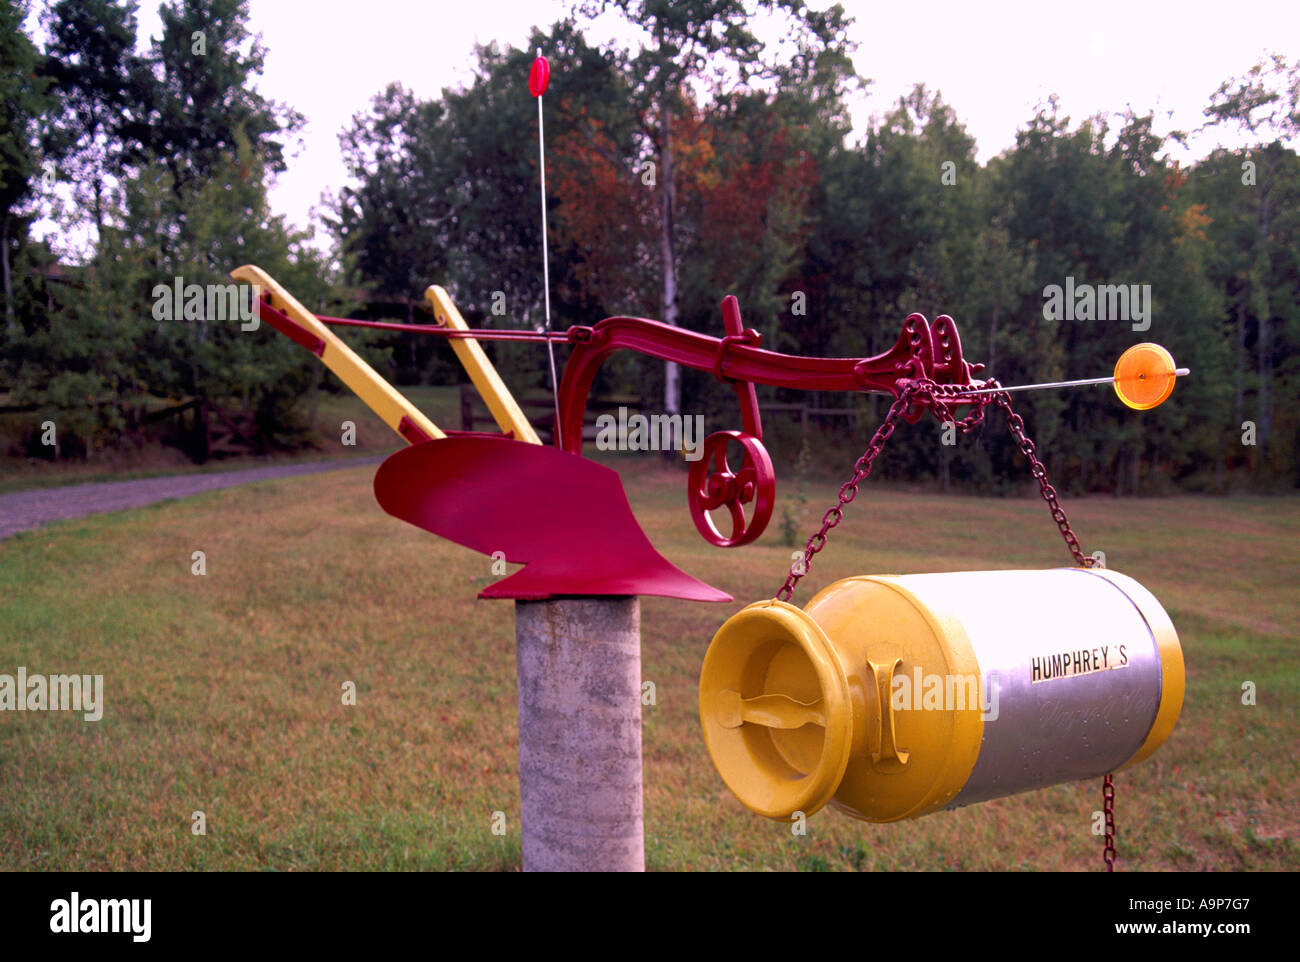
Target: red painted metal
{"x": 290, "y": 329}
{"x": 478, "y": 434}
{"x": 736, "y": 357}
{"x": 921, "y": 352}
{"x": 413, "y": 433}
{"x": 745, "y": 394}
{"x": 573, "y": 334}
{"x": 915, "y": 355}
{"x": 539, "y": 76}
{"x": 565, "y": 518}
{"x": 754, "y": 483}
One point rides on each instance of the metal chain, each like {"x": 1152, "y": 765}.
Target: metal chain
{"x": 1016, "y": 424}
{"x": 1108, "y": 806}
{"x": 941, "y": 398}
{"x": 849, "y": 490}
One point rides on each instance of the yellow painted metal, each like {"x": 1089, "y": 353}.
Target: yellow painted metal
{"x": 505, "y": 411}
{"x": 767, "y": 653}
{"x": 797, "y": 707}
{"x": 917, "y": 761}
{"x": 1145, "y": 376}
{"x": 380, "y": 396}
{"x": 1172, "y": 672}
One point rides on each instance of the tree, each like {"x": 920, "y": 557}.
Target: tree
{"x": 446, "y": 192}
{"x": 1264, "y": 104}
{"x": 172, "y": 151}
{"x": 103, "y": 92}
{"x": 391, "y": 221}
{"x": 23, "y": 101}
{"x": 204, "y": 64}
{"x": 710, "y": 43}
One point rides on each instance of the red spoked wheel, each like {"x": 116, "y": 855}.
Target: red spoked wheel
{"x": 754, "y": 484}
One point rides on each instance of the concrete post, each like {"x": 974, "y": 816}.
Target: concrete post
{"x": 579, "y": 666}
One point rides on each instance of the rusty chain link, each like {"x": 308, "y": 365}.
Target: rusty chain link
{"x": 941, "y": 398}
{"x": 1108, "y": 806}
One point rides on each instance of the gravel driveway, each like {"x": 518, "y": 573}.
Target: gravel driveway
{"x": 24, "y": 510}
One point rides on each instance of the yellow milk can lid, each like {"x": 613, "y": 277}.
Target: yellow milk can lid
{"x": 774, "y": 706}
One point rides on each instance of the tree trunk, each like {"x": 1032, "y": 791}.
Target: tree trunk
{"x": 203, "y": 436}
{"x": 668, "y": 257}
{"x": 99, "y": 210}
{"x": 1264, "y": 340}
{"x": 1239, "y": 404}
{"x": 4, "y": 260}
{"x": 316, "y": 378}
{"x": 1265, "y": 355}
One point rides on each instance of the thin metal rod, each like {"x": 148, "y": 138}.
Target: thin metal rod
{"x": 471, "y": 333}
{"x": 1036, "y": 387}
{"x": 546, "y": 266}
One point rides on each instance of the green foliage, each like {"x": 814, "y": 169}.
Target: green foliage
{"x": 795, "y": 505}
{"x": 23, "y": 101}
{"x": 446, "y": 192}
{"x": 103, "y": 96}
{"x": 203, "y": 98}
{"x": 166, "y": 156}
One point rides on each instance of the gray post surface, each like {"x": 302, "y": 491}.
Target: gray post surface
{"x": 579, "y": 666}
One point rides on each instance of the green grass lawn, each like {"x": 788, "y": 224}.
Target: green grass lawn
{"x": 223, "y": 691}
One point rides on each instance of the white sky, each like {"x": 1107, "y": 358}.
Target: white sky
{"x": 994, "y": 62}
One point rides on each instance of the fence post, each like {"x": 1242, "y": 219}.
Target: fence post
{"x": 579, "y": 682}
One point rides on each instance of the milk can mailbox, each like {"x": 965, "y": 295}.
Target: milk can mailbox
{"x": 895, "y": 696}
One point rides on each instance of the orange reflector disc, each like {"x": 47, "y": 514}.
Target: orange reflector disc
{"x": 1144, "y": 376}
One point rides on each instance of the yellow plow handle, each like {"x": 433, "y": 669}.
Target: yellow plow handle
{"x": 506, "y": 412}
{"x": 380, "y": 396}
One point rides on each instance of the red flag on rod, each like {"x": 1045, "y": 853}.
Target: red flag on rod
{"x": 539, "y": 77}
